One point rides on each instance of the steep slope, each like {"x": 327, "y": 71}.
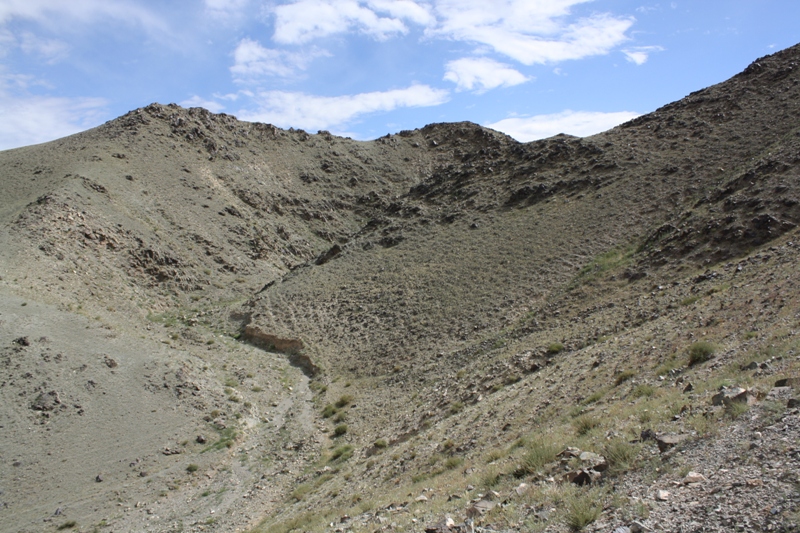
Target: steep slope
{"x": 319, "y": 331}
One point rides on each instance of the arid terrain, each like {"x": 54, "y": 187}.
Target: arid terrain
{"x": 214, "y": 325}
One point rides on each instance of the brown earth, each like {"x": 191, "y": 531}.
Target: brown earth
{"x": 214, "y": 325}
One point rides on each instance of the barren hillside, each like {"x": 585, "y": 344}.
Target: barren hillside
{"x": 214, "y": 325}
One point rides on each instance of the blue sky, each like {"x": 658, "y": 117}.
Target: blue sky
{"x": 364, "y": 68}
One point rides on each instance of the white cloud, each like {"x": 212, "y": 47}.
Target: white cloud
{"x": 33, "y": 120}
{"x": 197, "y": 101}
{"x": 482, "y": 74}
{"x": 578, "y": 123}
{"x": 530, "y": 31}
{"x": 304, "y": 20}
{"x": 405, "y": 9}
{"x": 51, "y": 50}
{"x": 640, "y": 54}
{"x": 56, "y": 14}
{"x": 253, "y": 60}
{"x": 226, "y": 7}
{"x": 299, "y": 110}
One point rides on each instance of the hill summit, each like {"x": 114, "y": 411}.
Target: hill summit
{"x": 215, "y": 325}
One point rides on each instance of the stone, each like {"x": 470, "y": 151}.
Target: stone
{"x": 662, "y": 495}
{"x": 665, "y": 442}
{"x": 200, "y": 439}
{"x": 752, "y": 366}
{"x": 46, "y": 401}
{"x": 98, "y": 478}
{"x": 22, "y": 341}
{"x": 788, "y": 382}
{"x": 730, "y": 395}
{"x": 594, "y": 461}
{"x": 793, "y": 403}
{"x": 638, "y": 527}
{"x": 480, "y": 508}
{"x": 694, "y": 477}
{"x": 421, "y": 498}
{"x": 521, "y": 489}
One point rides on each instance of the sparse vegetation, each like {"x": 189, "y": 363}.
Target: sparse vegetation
{"x": 340, "y": 430}
{"x": 555, "y": 348}
{"x": 623, "y": 376}
{"x": 700, "y": 352}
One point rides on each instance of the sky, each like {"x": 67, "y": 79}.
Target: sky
{"x": 365, "y": 68}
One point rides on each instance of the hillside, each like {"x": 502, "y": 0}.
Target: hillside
{"x": 214, "y": 325}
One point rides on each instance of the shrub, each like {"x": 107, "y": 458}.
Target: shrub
{"x": 643, "y": 390}
{"x": 342, "y": 453}
{"x": 620, "y": 454}
{"x": 329, "y": 411}
{"x": 623, "y": 376}
{"x": 455, "y": 407}
{"x": 690, "y": 300}
{"x": 582, "y": 510}
{"x": 381, "y": 443}
{"x": 192, "y": 468}
{"x": 585, "y": 423}
{"x": 344, "y": 400}
{"x": 453, "y": 462}
{"x": 554, "y": 348}
{"x": 67, "y": 525}
{"x": 340, "y": 430}
{"x": 537, "y": 454}
{"x": 700, "y": 352}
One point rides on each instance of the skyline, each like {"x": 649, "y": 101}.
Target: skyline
{"x": 365, "y": 68}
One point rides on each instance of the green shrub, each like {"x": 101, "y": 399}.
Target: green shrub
{"x": 340, "y": 430}
{"x": 67, "y": 525}
{"x": 381, "y": 443}
{"x": 342, "y": 453}
{"x": 453, "y": 462}
{"x": 456, "y": 406}
{"x": 192, "y": 468}
{"x": 554, "y": 348}
{"x": 690, "y": 300}
{"x": 344, "y": 400}
{"x": 700, "y": 352}
{"x": 329, "y": 411}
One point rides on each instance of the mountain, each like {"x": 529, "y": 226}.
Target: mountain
{"x": 215, "y": 325}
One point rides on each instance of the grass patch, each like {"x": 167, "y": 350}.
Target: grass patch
{"x": 594, "y": 397}
{"x": 581, "y": 509}
{"x": 603, "y": 263}
{"x": 381, "y": 443}
{"x": 453, "y": 462}
{"x": 192, "y": 468}
{"x": 620, "y": 454}
{"x": 456, "y": 407}
{"x": 340, "y": 430}
{"x": 227, "y": 437}
{"x": 690, "y": 300}
{"x": 623, "y": 376}
{"x": 67, "y": 525}
{"x": 643, "y": 390}
{"x": 538, "y": 453}
{"x": 585, "y": 423}
{"x": 700, "y": 352}
{"x": 329, "y": 411}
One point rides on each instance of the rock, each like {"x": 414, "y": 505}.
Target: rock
{"x": 752, "y": 366}
{"x": 623, "y": 529}
{"x": 444, "y": 525}
{"x": 785, "y": 382}
{"x": 594, "y": 461}
{"x": 98, "y": 478}
{"x": 726, "y": 396}
{"x": 582, "y": 477}
{"x": 688, "y": 388}
{"x": 480, "y": 508}
{"x": 665, "y": 442}
{"x": 200, "y": 439}
{"x": 22, "y": 341}
{"x": 638, "y": 527}
{"x": 46, "y": 401}
{"x": 521, "y": 489}
{"x": 792, "y": 403}
{"x": 110, "y": 363}
{"x": 421, "y": 498}
{"x": 694, "y": 477}
{"x": 662, "y": 495}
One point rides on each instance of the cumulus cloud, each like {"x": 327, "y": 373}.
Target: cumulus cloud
{"x": 251, "y": 59}
{"x": 578, "y": 123}
{"x": 640, "y": 54}
{"x": 482, "y": 74}
{"x": 34, "y": 119}
{"x": 294, "y": 109}
{"x": 304, "y": 20}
